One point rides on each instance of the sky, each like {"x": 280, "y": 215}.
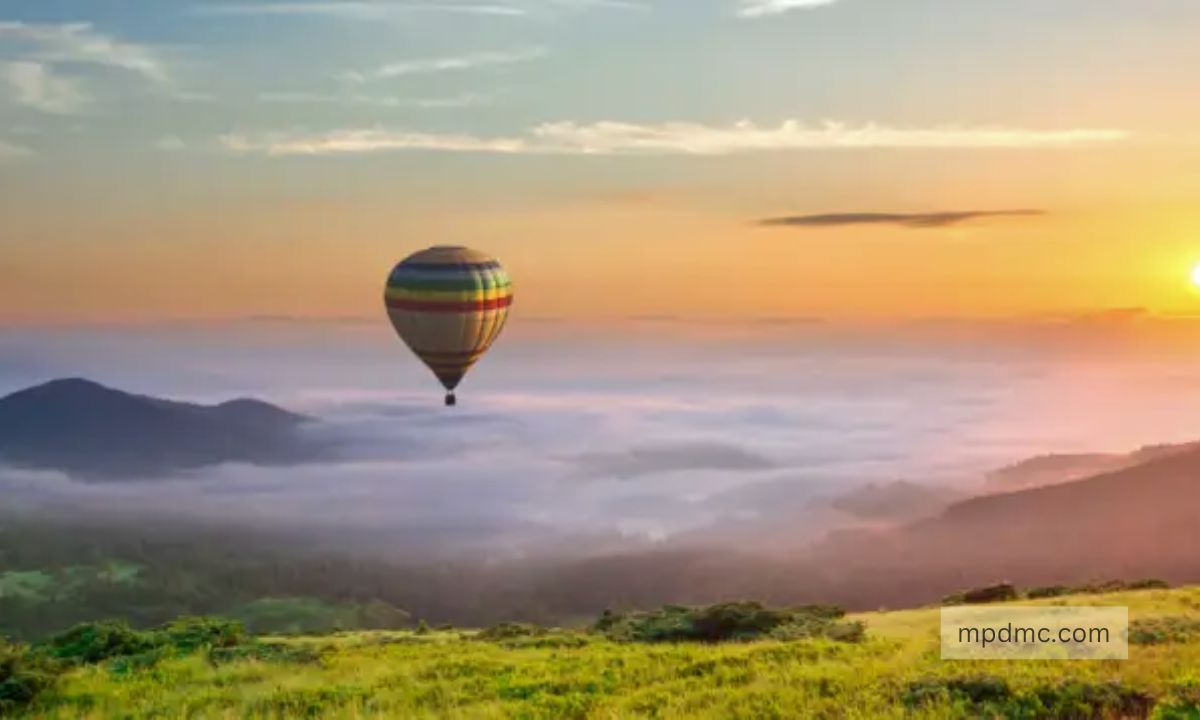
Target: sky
{"x": 729, "y": 159}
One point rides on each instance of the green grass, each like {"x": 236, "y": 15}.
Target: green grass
{"x": 895, "y": 673}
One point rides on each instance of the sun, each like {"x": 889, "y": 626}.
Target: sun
{"x": 1196, "y": 275}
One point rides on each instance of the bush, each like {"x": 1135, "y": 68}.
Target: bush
{"x": 733, "y": 621}
{"x": 1048, "y": 591}
{"x": 96, "y": 642}
{"x": 993, "y": 697}
{"x": 189, "y": 634}
{"x": 1183, "y": 701}
{"x": 1150, "y": 584}
{"x": 22, "y": 676}
{"x": 1112, "y": 586}
{"x": 508, "y": 631}
{"x": 1163, "y": 630}
{"x": 264, "y": 652}
{"x": 1001, "y": 592}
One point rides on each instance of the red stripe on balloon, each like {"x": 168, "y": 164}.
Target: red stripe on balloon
{"x": 449, "y": 307}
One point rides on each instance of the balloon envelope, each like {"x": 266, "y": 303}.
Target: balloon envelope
{"x": 448, "y": 304}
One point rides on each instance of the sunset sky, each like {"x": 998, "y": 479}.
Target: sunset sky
{"x": 704, "y": 158}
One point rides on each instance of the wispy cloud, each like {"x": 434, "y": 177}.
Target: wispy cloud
{"x": 762, "y": 8}
{"x": 697, "y": 139}
{"x": 81, "y": 43}
{"x": 35, "y": 85}
{"x": 342, "y": 142}
{"x": 909, "y": 220}
{"x": 426, "y": 66}
{"x": 430, "y": 103}
{"x": 381, "y": 9}
{"x": 613, "y": 138}
{"x": 170, "y": 143}
{"x": 9, "y": 150}
{"x": 349, "y": 9}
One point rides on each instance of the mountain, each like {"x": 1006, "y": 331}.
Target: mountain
{"x": 1062, "y": 468}
{"x": 1134, "y": 522}
{"x": 90, "y": 431}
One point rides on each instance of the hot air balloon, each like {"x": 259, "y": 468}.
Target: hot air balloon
{"x": 448, "y": 304}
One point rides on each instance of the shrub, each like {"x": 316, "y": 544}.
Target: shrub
{"x": 264, "y": 652}
{"x": 1183, "y": 701}
{"x": 1048, "y": 591}
{"x": 1163, "y": 630}
{"x": 1001, "y": 592}
{"x": 508, "y": 631}
{"x": 91, "y": 643}
{"x": 97, "y": 641}
{"x": 22, "y": 676}
{"x": 1112, "y": 586}
{"x": 733, "y": 621}
{"x": 993, "y": 697}
{"x": 1150, "y": 584}
{"x": 192, "y": 633}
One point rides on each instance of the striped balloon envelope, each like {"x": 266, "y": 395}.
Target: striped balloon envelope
{"x": 448, "y": 304}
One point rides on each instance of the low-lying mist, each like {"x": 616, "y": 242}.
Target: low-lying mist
{"x": 638, "y": 468}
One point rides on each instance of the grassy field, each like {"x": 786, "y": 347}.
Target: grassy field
{"x": 896, "y": 672}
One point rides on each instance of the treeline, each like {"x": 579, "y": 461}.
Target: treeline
{"x": 310, "y": 581}
{"x": 278, "y": 577}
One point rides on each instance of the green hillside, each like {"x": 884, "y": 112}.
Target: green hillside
{"x": 894, "y": 672}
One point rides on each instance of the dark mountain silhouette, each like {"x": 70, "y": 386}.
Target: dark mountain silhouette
{"x": 94, "y": 432}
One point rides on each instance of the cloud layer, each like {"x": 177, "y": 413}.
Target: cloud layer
{"x": 909, "y": 220}
{"x": 617, "y": 138}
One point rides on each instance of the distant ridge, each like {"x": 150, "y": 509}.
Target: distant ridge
{"x": 91, "y": 431}
{"x": 1136, "y": 521}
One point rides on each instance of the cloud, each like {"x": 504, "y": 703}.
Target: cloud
{"x": 615, "y": 138}
{"x": 9, "y": 150}
{"x": 170, "y": 143}
{"x": 655, "y": 459}
{"x": 353, "y": 10}
{"x": 361, "y": 10}
{"x": 343, "y": 142}
{"x": 81, "y": 43}
{"x": 37, "y": 86}
{"x": 430, "y": 103}
{"x": 427, "y": 66}
{"x": 745, "y": 136}
{"x": 909, "y": 220}
{"x": 763, "y": 8}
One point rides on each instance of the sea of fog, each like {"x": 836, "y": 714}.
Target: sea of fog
{"x": 650, "y": 431}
